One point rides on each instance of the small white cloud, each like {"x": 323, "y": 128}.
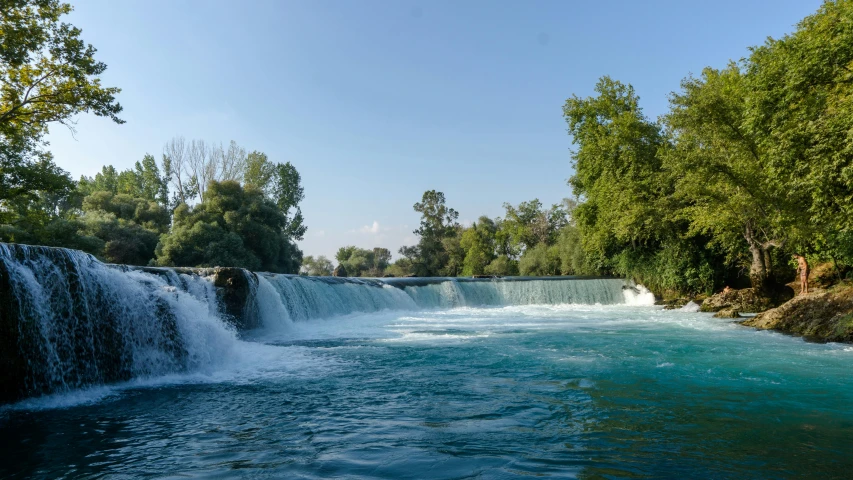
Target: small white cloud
{"x": 320, "y": 233}
{"x": 374, "y": 229}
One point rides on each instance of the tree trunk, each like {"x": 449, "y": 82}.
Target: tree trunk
{"x": 758, "y": 267}
{"x": 768, "y": 263}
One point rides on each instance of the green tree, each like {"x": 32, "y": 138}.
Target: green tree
{"x": 361, "y": 262}
{"x": 319, "y": 267}
{"x": 478, "y": 242}
{"x": 631, "y": 219}
{"x": 541, "y": 260}
{"x": 455, "y": 254}
{"x": 617, "y": 170}
{"x": 105, "y": 181}
{"x": 530, "y": 224}
{"x": 234, "y": 227}
{"x": 287, "y": 192}
{"x": 502, "y": 266}
{"x": 47, "y": 75}
{"x": 723, "y": 182}
{"x": 800, "y": 110}
{"x": 438, "y": 222}
{"x": 145, "y": 213}
{"x": 282, "y": 184}
{"x": 381, "y": 260}
{"x": 260, "y": 172}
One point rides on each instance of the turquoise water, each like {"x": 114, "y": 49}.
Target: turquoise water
{"x": 566, "y": 391}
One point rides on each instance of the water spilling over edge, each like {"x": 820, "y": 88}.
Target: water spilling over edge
{"x": 70, "y": 321}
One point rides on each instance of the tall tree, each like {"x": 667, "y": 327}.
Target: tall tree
{"x": 800, "y": 108}
{"x": 438, "y": 222}
{"x": 260, "y": 172}
{"x": 617, "y": 170}
{"x": 478, "y": 242}
{"x": 316, "y": 267}
{"x": 47, "y": 75}
{"x": 232, "y": 226}
{"x": 530, "y": 223}
{"x": 176, "y": 167}
{"x": 721, "y": 170}
{"x": 287, "y": 192}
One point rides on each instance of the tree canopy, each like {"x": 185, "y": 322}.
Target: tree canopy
{"x": 233, "y": 226}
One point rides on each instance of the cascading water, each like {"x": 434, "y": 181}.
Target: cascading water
{"x": 551, "y": 377}
{"x": 68, "y": 320}
{"x": 295, "y": 298}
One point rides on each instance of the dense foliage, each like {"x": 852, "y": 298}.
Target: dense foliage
{"x": 751, "y": 164}
{"x": 233, "y": 226}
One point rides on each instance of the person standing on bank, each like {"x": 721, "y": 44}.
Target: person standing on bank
{"x": 803, "y": 270}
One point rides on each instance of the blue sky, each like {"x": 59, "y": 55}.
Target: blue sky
{"x": 375, "y": 102}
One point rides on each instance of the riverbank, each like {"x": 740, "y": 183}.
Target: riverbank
{"x": 823, "y": 315}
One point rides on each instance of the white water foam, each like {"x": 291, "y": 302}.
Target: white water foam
{"x": 690, "y": 307}
{"x": 638, "y": 295}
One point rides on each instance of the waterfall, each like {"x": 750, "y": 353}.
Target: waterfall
{"x": 68, "y": 320}
{"x": 287, "y": 298}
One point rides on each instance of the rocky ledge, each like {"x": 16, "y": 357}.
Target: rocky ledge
{"x": 730, "y": 303}
{"x": 823, "y": 316}
{"x": 234, "y": 287}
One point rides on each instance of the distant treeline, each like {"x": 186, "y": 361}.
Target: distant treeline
{"x": 529, "y": 240}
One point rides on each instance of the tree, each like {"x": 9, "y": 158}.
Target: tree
{"x": 455, "y": 254}
{"x": 800, "y": 110}
{"x": 541, "y": 260}
{"x": 502, "y": 266}
{"x": 721, "y": 169}
{"x": 146, "y": 213}
{"x": 319, "y": 267}
{"x": 47, "y": 75}
{"x": 105, "y": 181}
{"x": 232, "y": 226}
{"x": 360, "y": 262}
{"x": 478, "y": 242}
{"x": 617, "y": 171}
{"x": 573, "y": 260}
{"x": 191, "y": 167}
{"x": 630, "y": 219}
{"x": 260, "y": 172}
{"x": 122, "y": 241}
{"x": 176, "y": 167}
{"x": 151, "y": 185}
{"x": 381, "y": 260}
{"x": 438, "y": 222}
{"x": 287, "y": 192}
{"x": 531, "y": 224}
